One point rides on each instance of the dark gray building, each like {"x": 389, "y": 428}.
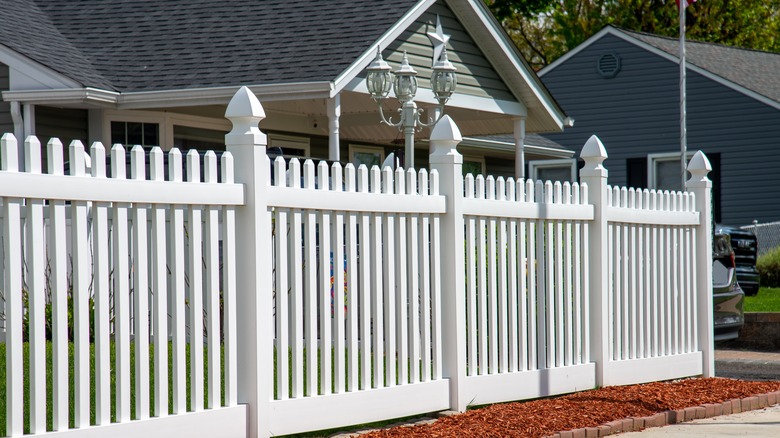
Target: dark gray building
{"x": 624, "y": 87}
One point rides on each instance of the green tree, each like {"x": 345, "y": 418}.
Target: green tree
{"x": 545, "y": 30}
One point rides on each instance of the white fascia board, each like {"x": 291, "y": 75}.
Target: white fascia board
{"x": 346, "y": 77}
{"x": 87, "y": 95}
{"x": 167, "y": 98}
{"x": 508, "y": 49}
{"x": 503, "y": 146}
{"x": 43, "y": 76}
{"x": 222, "y": 95}
{"x": 457, "y": 100}
{"x": 669, "y": 57}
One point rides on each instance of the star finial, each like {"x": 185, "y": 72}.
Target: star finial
{"x": 439, "y": 40}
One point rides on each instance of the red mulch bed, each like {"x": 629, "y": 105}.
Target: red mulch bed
{"x": 540, "y": 418}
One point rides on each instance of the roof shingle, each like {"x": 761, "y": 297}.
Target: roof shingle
{"x": 148, "y": 45}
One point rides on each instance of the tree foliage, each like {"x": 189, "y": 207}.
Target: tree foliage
{"x": 546, "y": 29}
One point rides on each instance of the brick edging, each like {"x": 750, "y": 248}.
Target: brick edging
{"x": 659, "y": 419}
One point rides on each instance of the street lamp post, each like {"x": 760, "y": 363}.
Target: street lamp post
{"x": 379, "y": 80}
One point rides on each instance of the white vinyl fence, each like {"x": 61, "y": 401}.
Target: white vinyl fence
{"x": 328, "y": 295}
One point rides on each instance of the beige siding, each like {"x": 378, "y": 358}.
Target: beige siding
{"x": 476, "y": 76}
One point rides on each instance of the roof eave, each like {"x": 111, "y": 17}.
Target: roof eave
{"x": 168, "y": 98}
{"x": 502, "y": 146}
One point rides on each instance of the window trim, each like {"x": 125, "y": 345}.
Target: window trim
{"x": 353, "y": 149}
{"x": 535, "y": 165}
{"x": 292, "y": 141}
{"x": 652, "y": 159}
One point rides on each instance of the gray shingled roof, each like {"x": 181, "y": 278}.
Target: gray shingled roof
{"x": 752, "y": 69}
{"x": 146, "y": 45}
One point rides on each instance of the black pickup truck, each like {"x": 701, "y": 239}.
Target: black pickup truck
{"x": 745, "y": 248}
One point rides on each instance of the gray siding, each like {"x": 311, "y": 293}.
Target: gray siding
{"x": 67, "y": 124}
{"x": 637, "y": 113}
{"x": 475, "y": 74}
{"x": 6, "y": 123}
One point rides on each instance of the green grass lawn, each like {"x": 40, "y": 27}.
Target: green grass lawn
{"x": 767, "y": 300}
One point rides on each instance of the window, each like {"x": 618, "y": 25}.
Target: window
{"x": 473, "y": 165}
{"x": 290, "y": 146}
{"x": 368, "y": 155}
{"x": 663, "y": 171}
{"x": 133, "y": 133}
{"x": 553, "y": 170}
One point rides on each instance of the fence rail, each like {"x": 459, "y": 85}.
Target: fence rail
{"x": 338, "y": 295}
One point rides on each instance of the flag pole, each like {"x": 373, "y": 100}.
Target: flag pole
{"x": 683, "y": 128}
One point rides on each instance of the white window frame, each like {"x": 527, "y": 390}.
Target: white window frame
{"x": 354, "y": 149}
{"x": 653, "y": 159}
{"x": 290, "y": 141}
{"x": 165, "y": 120}
{"x": 535, "y": 165}
{"x": 477, "y": 159}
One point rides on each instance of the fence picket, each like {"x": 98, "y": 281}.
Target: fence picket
{"x": 352, "y": 286}
{"x": 482, "y": 290}
{"x": 402, "y": 311}
{"x": 195, "y": 218}
{"x": 568, "y": 302}
{"x": 211, "y": 257}
{"x": 436, "y": 282}
{"x": 59, "y": 293}
{"x": 178, "y": 291}
{"x": 492, "y": 287}
{"x": 310, "y": 287}
{"x": 578, "y": 319}
{"x": 534, "y": 343}
{"x": 339, "y": 302}
{"x": 559, "y": 302}
{"x": 12, "y": 276}
{"x": 364, "y": 303}
{"x": 327, "y": 300}
{"x": 471, "y": 285}
{"x": 413, "y": 283}
{"x": 100, "y": 285}
{"x": 35, "y": 252}
{"x": 524, "y": 345}
{"x": 377, "y": 310}
{"x": 512, "y": 262}
{"x": 81, "y": 292}
{"x": 389, "y": 277}
{"x": 502, "y": 290}
{"x": 296, "y": 287}
{"x": 425, "y": 283}
{"x": 281, "y": 295}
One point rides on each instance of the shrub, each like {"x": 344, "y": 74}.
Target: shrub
{"x": 769, "y": 268}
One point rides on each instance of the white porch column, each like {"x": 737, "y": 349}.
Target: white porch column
{"x": 29, "y": 119}
{"x": 334, "y": 112}
{"x": 16, "y": 116}
{"x": 519, "y": 125}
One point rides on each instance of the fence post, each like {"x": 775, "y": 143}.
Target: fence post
{"x": 445, "y": 159}
{"x": 253, "y": 271}
{"x": 595, "y": 176}
{"x": 701, "y": 187}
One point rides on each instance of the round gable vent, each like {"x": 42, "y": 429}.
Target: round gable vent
{"x": 608, "y": 65}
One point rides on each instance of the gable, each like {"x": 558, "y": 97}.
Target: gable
{"x": 476, "y": 76}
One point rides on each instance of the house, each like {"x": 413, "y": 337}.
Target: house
{"x": 624, "y": 87}
{"x": 161, "y": 73}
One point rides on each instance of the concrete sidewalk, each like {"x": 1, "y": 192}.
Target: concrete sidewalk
{"x": 761, "y": 423}
{"x": 747, "y": 365}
